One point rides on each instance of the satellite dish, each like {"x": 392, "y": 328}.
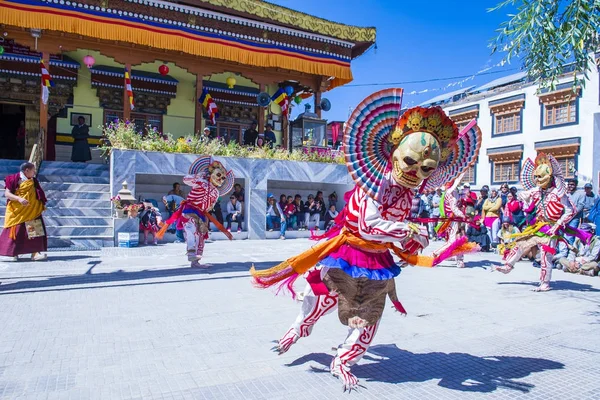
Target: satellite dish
{"x": 263, "y": 99}
{"x": 325, "y": 105}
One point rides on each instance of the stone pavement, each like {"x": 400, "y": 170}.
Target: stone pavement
{"x": 139, "y": 324}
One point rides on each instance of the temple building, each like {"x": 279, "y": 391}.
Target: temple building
{"x": 171, "y": 55}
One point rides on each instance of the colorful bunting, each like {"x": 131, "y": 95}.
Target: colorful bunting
{"x": 280, "y": 97}
{"x": 128, "y": 88}
{"x": 209, "y": 105}
{"x": 46, "y": 83}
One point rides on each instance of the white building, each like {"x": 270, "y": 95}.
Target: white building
{"x": 516, "y": 122}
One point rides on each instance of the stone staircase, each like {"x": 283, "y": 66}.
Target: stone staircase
{"x": 78, "y": 215}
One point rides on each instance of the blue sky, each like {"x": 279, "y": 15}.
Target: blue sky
{"x": 416, "y": 40}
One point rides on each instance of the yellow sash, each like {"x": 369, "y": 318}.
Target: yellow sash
{"x": 16, "y": 213}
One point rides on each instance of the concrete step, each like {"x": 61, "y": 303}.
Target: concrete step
{"x": 86, "y": 203}
{"x": 79, "y": 243}
{"x": 72, "y": 165}
{"x": 73, "y": 221}
{"x": 71, "y": 212}
{"x": 59, "y": 195}
{"x": 74, "y": 179}
{"x": 76, "y": 187}
{"x": 77, "y": 231}
{"x": 73, "y": 171}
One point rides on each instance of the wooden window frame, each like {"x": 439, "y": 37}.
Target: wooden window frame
{"x": 514, "y": 175}
{"x": 512, "y": 109}
{"x": 507, "y": 123}
{"x": 572, "y": 107}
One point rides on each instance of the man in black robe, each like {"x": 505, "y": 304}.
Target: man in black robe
{"x": 81, "y": 148}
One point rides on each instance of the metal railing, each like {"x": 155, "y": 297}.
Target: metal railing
{"x": 37, "y": 152}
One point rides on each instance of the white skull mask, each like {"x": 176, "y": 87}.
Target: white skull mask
{"x": 218, "y": 177}
{"x": 415, "y": 159}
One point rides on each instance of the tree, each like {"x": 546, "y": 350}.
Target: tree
{"x": 550, "y": 37}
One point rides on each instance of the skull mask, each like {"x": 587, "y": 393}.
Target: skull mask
{"x": 415, "y": 159}
{"x": 543, "y": 175}
{"x": 218, "y": 177}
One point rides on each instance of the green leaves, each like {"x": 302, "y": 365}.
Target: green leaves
{"x": 550, "y": 38}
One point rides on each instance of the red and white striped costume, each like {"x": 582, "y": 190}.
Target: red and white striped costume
{"x": 201, "y": 199}
{"x": 551, "y": 208}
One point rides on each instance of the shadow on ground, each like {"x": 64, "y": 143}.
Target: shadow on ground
{"x": 559, "y": 285}
{"x": 456, "y": 371}
{"x": 74, "y": 282}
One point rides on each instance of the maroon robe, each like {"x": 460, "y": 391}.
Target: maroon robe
{"x": 22, "y": 244}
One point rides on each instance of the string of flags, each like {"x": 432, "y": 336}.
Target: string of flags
{"x": 46, "y": 83}
{"x": 209, "y": 105}
{"x": 128, "y": 88}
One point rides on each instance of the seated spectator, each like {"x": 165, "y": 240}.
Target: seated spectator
{"x": 150, "y": 221}
{"x": 275, "y": 215}
{"x": 283, "y": 201}
{"x": 234, "y": 213}
{"x": 583, "y": 259}
{"x": 332, "y": 198}
{"x": 330, "y": 216}
{"x": 321, "y": 201}
{"x": 217, "y": 212}
{"x": 514, "y": 210}
{"x": 505, "y": 239}
{"x": 478, "y": 234}
{"x": 238, "y": 192}
{"x": 176, "y": 190}
{"x": 172, "y": 202}
{"x": 312, "y": 212}
{"x": 260, "y": 141}
{"x": 290, "y": 213}
{"x": 468, "y": 200}
{"x": 300, "y": 214}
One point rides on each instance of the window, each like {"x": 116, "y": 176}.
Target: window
{"x": 506, "y": 171}
{"x": 470, "y": 175}
{"x": 561, "y": 113}
{"x": 508, "y": 123}
{"x": 567, "y": 164}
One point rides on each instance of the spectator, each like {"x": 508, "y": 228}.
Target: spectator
{"x": 588, "y": 201}
{"x": 217, "y": 212}
{"x": 483, "y": 195}
{"x": 583, "y": 259}
{"x": 150, "y": 220}
{"x": 312, "y": 212}
{"x": 513, "y": 211}
{"x": 417, "y": 206}
{"x": 270, "y": 138}
{"x": 290, "y": 213}
{"x": 250, "y": 135}
{"x": 577, "y": 197}
{"x": 503, "y": 193}
{"x": 275, "y": 215}
{"x": 283, "y": 201}
{"x": 81, "y": 148}
{"x": 330, "y": 217}
{"x": 321, "y": 201}
{"x": 234, "y": 213}
{"x": 332, "y": 200}
{"x": 206, "y": 134}
{"x": 435, "y": 208}
{"x": 239, "y": 193}
{"x": 468, "y": 200}
{"x": 176, "y": 190}
{"x": 172, "y": 202}
{"x": 505, "y": 239}
{"x": 478, "y": 234}
{"x": 300, "y": 213}
{"x": 491, "y": 214}
{"x": 260, "y": 141}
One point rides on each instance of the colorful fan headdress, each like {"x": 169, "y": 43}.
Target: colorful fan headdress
{"x": 204, "y": 165}
{"x": 374, "y": 130}
{"x": 529, "y": 167}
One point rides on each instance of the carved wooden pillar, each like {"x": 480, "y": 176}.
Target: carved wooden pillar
{"x": 318, "y": 103}
{"x": 261, "y": 111}
{"x": 198, "y": 107}
{"x": 44, "y": 108}
{"x": 126, "y": 105}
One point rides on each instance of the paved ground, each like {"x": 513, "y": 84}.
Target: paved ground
{"x": 139, "y": 324}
